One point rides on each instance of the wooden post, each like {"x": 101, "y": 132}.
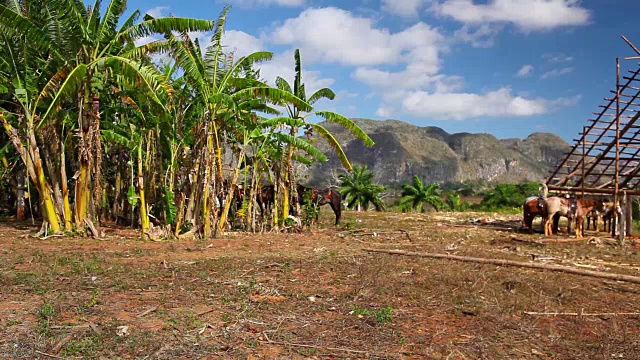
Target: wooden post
{"x": 584, "y": 140}
{"x": 620, "y": 221}
{"x": 628, "y": 214}
{"x": 617, "y": 174}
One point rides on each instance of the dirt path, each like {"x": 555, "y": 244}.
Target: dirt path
{"x": 316, "y": 295}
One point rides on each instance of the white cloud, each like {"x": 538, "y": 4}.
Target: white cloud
{"x": 528, "y": 15}
{"x": 241, "y": 43}
{"x": 557, "y": 58}
{"x": 404, "y": 8}
{"x": 410, "y": 78}
{"x": 261, "y": 3}
{"x": 337, "y": 36}
{"x": 525, "y": 70}
{"x": 460, "y": 106}
{"x": 482, "y": 36}
{"x": 158, "y": 11}
{"x": 556, "y": 72}
{"x": 283, "y": 65}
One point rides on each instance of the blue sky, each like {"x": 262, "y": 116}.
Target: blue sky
{"x": 506, "y": 67}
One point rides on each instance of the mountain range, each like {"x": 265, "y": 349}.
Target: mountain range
{"x": 403, "y": 150}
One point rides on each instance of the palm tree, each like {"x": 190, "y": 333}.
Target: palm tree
{"x": 417, "y": 194}
{"x": 303, "y": 113}
{"x": 359, "y": 190}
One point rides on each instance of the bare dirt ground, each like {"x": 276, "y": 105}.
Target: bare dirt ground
{"x": 317, "y": 295}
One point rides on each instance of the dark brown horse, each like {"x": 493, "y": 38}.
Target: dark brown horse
{"x": 532, "y": 207}
{"x": 321, "y": 197}
{"x": 266, "y": 198}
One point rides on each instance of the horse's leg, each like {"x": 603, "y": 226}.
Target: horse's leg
{"x": 556, "y": 223}
{"x": 336, "y": 211}
{"x": 547, "y": 225}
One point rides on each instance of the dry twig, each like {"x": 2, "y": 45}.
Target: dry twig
{"x": 146, "y": 312}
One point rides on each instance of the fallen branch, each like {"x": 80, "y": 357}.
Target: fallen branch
{"x": 504, "y": 262}
{"x": 49, "y": 355}
{"x": 146, "y": 312}
{"x": 58, "y": 346}
{"x": 205, "y": 312}
{"x": 581, "y": 313}
{"x": 533, "y": 242}
{"x": 93, "y": 229}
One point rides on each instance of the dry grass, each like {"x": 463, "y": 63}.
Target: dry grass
{"x": 315, "y": 295}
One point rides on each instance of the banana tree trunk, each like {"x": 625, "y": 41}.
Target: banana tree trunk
{"x": 43, "y": 187}
{"x": 82, "y": 188}
{"x": 252, "y": 196}
{"x": 65, "y": 188}
{"x": 144, "y": 218}
{"x": 20, "y": 191}
{"x": 227, "y": 202}
{"x": 206, "y": 214}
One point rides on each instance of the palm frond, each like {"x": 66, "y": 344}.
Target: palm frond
{"x": 282, "y": 84}
{"x": 14, "y": 23}
{"x": 347, "y": 124}
{"x": 324, "y": 93}
{"x": 61, "y": 89}
{"x": 302, "y": 145}
{"x": 274, "y": 95}
{"x": 335, "y": 145}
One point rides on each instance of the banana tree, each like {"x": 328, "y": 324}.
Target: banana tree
{"x": 214, "y": 78}
{"x": 303, "y": 113}
{"x": 94, "y": 47}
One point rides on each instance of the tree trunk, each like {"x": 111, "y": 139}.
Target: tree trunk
{"x": 20, "y": 191}
{"x": 227, "y": 202}
{"x": 65, "y": 188}
{"x": 44, "y": 190}
{"x": 144, "y": 218}
{"x": 207, "y": 173}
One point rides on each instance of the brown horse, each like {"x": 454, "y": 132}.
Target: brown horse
{"x": 583, "y": 207}
{"x": 556, "y": 206}
{"x": 334, "y": 199}
{"x": 322, "y": 197}
{"x": 531, "y": 208}
{"x": 607, "y": 215}
{"x": 265, "y": 198}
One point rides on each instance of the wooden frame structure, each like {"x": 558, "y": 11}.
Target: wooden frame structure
{"x": 605, "y": 158}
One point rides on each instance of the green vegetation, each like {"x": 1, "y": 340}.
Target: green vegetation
{"x": 382, "y": 316}
{"x": 417, "y": 196}
{"x": 359, "y": 190}
{"x": 78, "y": 87}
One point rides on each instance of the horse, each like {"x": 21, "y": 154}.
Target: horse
{"x": 557, "y": 206}
{"x": 585, "y": 206}
{"x": 265, "y": 198}
{"x": 532, "y": 207}
{"x": 607, "y": 215}
{"x": 322, "y": 197}
{"x": 592, "y": 220}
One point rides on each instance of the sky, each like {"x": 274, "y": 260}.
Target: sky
{"x": 505, "y": 67}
